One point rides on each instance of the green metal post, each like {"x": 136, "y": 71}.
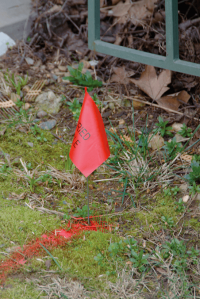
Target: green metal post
{"x": 172, "y": 34}
{"x": 170, "y": 62}
{"x": 93, "y": 22}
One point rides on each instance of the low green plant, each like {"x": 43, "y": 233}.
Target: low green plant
{"x": 75, "y": 108}
{"x": 171, "y": 191}
{"x": 167, "y": 221}
{"x": 36, "y": 131}
{"x": 185, "y": 131}
{"x": 66, "y": 217}
{"x": 175, "y": 247}
{"x": 46, "y": 178}
{"x": 167, "y": 192}
{"x": 69, "y": 166}
{"x": 180, "y": 206}
{"x": 17, "y": 82}
{"x": 196, "y": 158}
{"x": 116, "y": 248}
{"x": 194, "y": 175}
{"x": 5, "y": 169}
{"x": 32, "y": 181}
{"x": 80, "y": 79}
{"x": 99, "y": 258}
{"x": 136, "y": 255}
{"x": 162, "y": 127}
{"x": 83, "y": 212}
{"x": 172, "y": 149}
{"x": 194, "y": 189}
{"x": 29, "y": 166}
{"x": 139, "y": 260}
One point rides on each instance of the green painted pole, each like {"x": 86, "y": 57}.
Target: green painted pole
{"x": 172, "y": 34}
{"x": 170, "y": 62}
{"x": 93, "y": 22}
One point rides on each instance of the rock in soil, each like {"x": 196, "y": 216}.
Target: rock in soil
{"x": 41, "y": 114}
{"x": 48, "y": 102}
{"x": 48, "y": 125}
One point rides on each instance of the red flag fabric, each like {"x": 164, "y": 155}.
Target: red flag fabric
{"x": 90, "y": 145}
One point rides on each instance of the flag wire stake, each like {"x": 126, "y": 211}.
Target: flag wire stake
{"x": 88, "y": 202}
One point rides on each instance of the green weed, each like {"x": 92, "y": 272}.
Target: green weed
{"x": 172, "y": 149}
{"x": 171, "y": 191}
{"x": 194, "y": 189}
{"x": 36, "y": 131}
{"x": 80, "y": 79}
{"x": 194, "y": 175}
{"x": 83, "y": 212}
{"x": 16, "y": 81}
{"x": 180, "y": 206}
{"x": 5, "y": 169}
{"x": 76, "y": 106}
{"x": 167, "y": 221}
{"x": 185, "y": 131}
{"x": 162, "y": 127}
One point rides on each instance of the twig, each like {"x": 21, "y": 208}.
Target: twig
{"x": 60, "y": 138}
{"x": 155, "y": 105}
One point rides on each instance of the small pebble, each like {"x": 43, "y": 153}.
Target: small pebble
{"x": 41, "y": 114}
{"x": 186, "y": 198}
{"x": 111, "y": 106}
{"x": 48, "y": 125}
{"x": 36, "y": 120}
{"x": 55, "y": 77}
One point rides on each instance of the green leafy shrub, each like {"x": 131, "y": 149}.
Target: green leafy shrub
{"x": 80, "y": 79}
{"x": 185, "y": 131}
{"x": 172, "y": 148}
{"x": 194, "y": 175}
{"x": 162, "y": 127}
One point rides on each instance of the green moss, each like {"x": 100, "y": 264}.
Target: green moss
{"x": 20, "y": 224}
{"x": 77, "y": 258}
{"x": 15, "y": 144}
{"x": 194, "y": 223}
{"x": 15, "y": 289}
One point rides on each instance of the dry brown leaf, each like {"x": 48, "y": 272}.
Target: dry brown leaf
{"x": 121, "y": 75}
{"x": 186, "y": 157}
{"x": 121, "y": 9}
{"x": 135, "y": 12}
{"x": 152, "y": 85}
{"x": 140, "y": 11}
{"x": 172, "y": 101}
{"x": 156, "y": 142}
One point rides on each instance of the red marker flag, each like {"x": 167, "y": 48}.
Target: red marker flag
{"x": 90, "y": 145}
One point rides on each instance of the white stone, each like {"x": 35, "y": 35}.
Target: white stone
{"x": 156, "y": 142}
{"x": 186, "y": 198}
{"x": 177, "y": 127}
{"x": 29, "y": 60}
{"x": 5, "y": 43}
